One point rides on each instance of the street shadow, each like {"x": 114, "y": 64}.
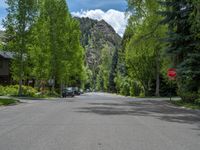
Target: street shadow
{"x": 162, "y": 110}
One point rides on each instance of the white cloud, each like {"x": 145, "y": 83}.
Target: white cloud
{"x": 117, "y": 19}
{"x": 2, "y": 28}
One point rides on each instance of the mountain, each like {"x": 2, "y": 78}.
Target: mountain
{"x": 95, "y": 35}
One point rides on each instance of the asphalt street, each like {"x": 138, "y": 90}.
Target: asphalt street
{"x": 98, "y": 121}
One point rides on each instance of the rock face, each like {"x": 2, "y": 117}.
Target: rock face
{"x": 95, "y": 35}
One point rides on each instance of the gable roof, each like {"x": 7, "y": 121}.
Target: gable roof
{"x": 6, "y": 55}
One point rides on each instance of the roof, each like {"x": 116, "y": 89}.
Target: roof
{"x": 6, "y": 55}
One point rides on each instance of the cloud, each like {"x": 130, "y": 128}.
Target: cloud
{"x": 117, "y": 19}
{"x": 2, "y": 28}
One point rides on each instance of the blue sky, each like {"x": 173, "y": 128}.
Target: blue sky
{"x": 77, "y": 5}
{"x": 112, "y": 11}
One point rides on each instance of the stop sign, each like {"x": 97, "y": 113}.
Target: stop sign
{"x": 171, "y": 73}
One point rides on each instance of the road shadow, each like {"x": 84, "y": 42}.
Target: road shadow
{"x": 162, "y": 110}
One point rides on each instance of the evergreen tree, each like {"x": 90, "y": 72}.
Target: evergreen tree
{"x": 104, "y": 68}
{"x": 113, "y": 71}
{"x": 183, "y": 23}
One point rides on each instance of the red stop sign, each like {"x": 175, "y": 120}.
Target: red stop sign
{"x": 172, "y": 73}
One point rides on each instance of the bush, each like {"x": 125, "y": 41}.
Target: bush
{"x": 9, "y": 90}
{"x": 197, "y": 102}
{"x": 29, "y": 91}
{"x": 12, "y": 90}
{"x": 125, "y": 87}
{"x": 188, "y": 96}
{"x": 135, "y": 89}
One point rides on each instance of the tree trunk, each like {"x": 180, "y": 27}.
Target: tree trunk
{"x": 61, "y": 89}
{"x": 157, "y": 75}
{"x": 20, "y": 88}
{"x": 157, "y": 85}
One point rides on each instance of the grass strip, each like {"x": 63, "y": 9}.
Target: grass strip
{"x": 8, "y": 101}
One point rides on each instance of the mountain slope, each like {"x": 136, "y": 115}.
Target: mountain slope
{"x": 101, "y": 44}
{"x": 95, "y": 35}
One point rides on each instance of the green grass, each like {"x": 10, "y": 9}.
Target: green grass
{"x": 7, "y": 102}
{"x": 186, "y": 104}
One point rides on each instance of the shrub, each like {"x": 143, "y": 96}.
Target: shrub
{"x": 8, "y": 90}
{"x": 12, "y": 90}
{"x": 125, "y": 87}
{"x": 197, "y": 102}
{"x": 188, "y": 96}
{"x": 135, "y": 89}
{"x": 29, "y": 91}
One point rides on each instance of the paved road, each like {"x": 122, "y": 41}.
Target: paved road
{"x": 98, "y": 122}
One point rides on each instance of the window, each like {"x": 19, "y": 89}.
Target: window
{"x": 1, "y": 63}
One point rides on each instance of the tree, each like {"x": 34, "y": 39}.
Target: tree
{"x": 21, "y": 16}
{"x": 75, "y": 55}
{"x": 142, "y": 43}
{"x": 58, "y": 45}
{"x": 39, "y": 49}
{"x": 105, "y": 68}
{"x": 183, "y": 44}
{"x": 113, "y": 72}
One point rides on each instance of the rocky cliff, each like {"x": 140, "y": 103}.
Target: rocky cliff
{"x": 95, "y": 35}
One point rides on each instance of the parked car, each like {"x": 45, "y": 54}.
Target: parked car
{"x": 76, "y": 91}
{"x": 88, "y": 90}
{"x": 81, "y": 91}
{"x": 68, "y": 92}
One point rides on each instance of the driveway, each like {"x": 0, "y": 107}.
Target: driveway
{"x": 98, "y": 121}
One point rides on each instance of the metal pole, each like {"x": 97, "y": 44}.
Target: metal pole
{"x": 170, "y": 90}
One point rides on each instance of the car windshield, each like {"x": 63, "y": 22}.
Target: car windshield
{"x": 69, "y": 89}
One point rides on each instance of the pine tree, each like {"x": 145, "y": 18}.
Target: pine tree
{"x": 113, "y": 72}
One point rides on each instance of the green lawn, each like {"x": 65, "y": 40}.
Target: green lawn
{"x": 6, "y": 102}
{"x": 186, "y": 104}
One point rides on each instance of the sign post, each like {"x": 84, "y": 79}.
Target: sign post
{"x": 171, "y": 73}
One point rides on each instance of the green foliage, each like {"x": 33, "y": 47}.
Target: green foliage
{"x": 46, "y": 42}
{"x": 9, "y": 90}
{"x": 21, "y": 16}
{"x": 104, "y": 68}
{"x": 135, "y": 89}
{"x": 183, "y": 44}
{"x": 96, "y": 35}
{"x": 143, "y": 48}
{"x": 12, "y": 90}
{"x": 197, "y": 102}
{"x": 186, "y": 95}
{"x": 113, "y": 72}
{"x": 187, "y": 104}
{"x": 1, "y": 46}
{"x": 125, "y": 87}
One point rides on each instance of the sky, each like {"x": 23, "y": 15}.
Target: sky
{"x": 112, "y": 11}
